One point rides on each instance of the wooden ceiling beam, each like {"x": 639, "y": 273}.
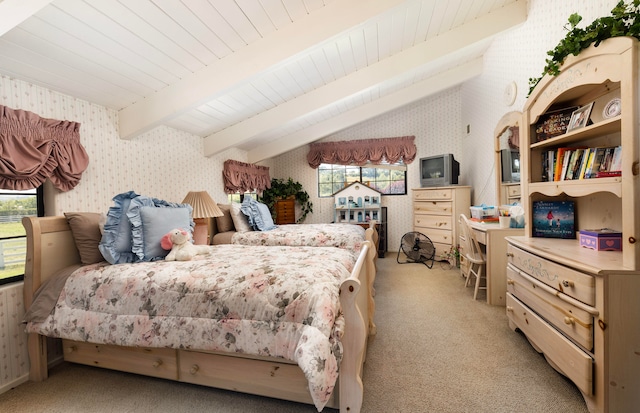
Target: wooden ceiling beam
{"x": 410, "y": 94}
{"x": 214, "y": 80}
{"x": 430, "y": 51}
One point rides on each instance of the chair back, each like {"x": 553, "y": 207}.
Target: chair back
{"x": 470, "y": 246}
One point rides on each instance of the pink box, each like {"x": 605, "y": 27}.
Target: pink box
{"x": 604, "y": 239}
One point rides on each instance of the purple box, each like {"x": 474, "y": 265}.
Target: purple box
{"x": 604, "y": 239}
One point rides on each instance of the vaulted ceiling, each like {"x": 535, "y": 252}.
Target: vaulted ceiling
{"x": 265, "y": 76}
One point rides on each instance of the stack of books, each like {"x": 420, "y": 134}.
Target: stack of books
{"x": 581, "y": 163}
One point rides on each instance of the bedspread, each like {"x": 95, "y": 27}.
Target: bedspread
{"x": 347, "y": 236}
{"x": 268, "y": 301}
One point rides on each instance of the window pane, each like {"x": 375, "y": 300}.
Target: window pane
{"x": 13, "y": 242}
{"x": 388, "y": 179}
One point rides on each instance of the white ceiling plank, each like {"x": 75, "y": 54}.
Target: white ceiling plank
{"x": 258, "y": 16}
{"x": 370, "y": 34}
{"x": 110, "y": 44}
{"x": 424, "y": 20}
{"x": 237, "y": 19}
{"x": 311, "y": 72}
{"x": 322, "y": 64}
{"x": 483, "y": 27}
{"x": 185, "y": 43}
{"x": 346, "y": 54}
{"x": 61, "y": 45}
{"x": 205, "y": 84}
{"x": 295, "y": 8}
{"x": 14, "y": 12}
{"x": 277, "y": 13}
{"x": 362, "y": 113}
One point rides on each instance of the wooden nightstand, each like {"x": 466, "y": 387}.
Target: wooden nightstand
{"x": 286, "y": 211}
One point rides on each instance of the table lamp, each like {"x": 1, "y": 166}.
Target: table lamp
{"x": 204, "y": 207}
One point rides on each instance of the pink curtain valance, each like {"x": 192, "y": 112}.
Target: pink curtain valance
{"x": 33, "y": 149}
{"x": 360, "y": 152}
{"x": 243, "y": 177}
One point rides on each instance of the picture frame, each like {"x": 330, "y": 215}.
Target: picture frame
{"x": 580, "y": 117}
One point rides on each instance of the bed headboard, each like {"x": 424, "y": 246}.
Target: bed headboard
{"x": 50, "y": 247}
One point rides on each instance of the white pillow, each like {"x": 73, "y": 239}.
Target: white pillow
{"x": 240, "y": 220}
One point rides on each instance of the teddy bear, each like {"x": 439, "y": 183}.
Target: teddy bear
{"x": 182, "y": 249}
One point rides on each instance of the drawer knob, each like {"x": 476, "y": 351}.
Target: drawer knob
{"x": 509, "y": 254}
{"x": 567, "y": 283}
{"x": 157, "y": 363}
{"x": 569, "y": 321}
{"x": 509, "y": 309}
{"x": 510, "y": 282}
{"x": 194, "y": 369}
{"x": 71, "y": 349}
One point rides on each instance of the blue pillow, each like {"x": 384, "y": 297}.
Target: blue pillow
{"x": 257, "y": 213}
{"x": 265, "y": 218}
{"x": 151, "y": 219}
{"x": 116, "y": 242}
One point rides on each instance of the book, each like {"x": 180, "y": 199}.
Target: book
{"x": 565, "y": 164}
{"x": 606, "y": 160}
{"x": 573, "y": 162}
{"x": 583, "y": 164}
{"x": 616, "y": 160}
{"x": 587, "y": 170}
{"x": 597, "y": 159}
{"x": 553, "y": 219}
{"x": 559, "y": 163}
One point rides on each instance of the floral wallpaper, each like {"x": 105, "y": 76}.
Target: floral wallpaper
{"x": 164, "y": 163}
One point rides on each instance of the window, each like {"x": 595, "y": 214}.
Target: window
{"x": 238, "y": 197}
{"x": 388, "y": 179}
{"x": 13, "y": 241}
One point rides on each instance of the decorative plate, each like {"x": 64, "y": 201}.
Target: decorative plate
{"x": 613, "y": 108}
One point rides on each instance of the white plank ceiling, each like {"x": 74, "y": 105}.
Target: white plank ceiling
{"x": 265, "y": 76}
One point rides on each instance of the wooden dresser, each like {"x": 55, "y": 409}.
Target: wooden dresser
{"x": 577, "y": 306}
{"x": 436, "y": 211}
{"x": 286, "y": 211}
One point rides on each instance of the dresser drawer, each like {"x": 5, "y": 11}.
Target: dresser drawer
{"x": 433, "y": 221}
{"x": 575, "y": 322}
{"x": 156, "y": 362}
{"x": 432, "y": 194}
{"x": 513, "y": 190}
{"x": 433, "y": 208}
{"x": 440, "y": 236}
{"x": 569, "y": 281}
{"x": 561, "y": 353}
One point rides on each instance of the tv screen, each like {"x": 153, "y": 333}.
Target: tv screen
{"x": 439, "y": 170}
{"x": 510, "y": 165}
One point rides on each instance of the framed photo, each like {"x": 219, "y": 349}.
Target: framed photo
{"x": 580, "y": 117}
{"x": 554, "y": 219}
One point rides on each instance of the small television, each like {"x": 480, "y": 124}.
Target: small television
{"x": 439, "y": 170}
{"x": 510, "y": 165}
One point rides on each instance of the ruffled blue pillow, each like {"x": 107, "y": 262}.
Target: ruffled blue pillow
{"x": 257, "y": 213}
{"x": 151, "y": 219}
{"x": 116, "y": 242}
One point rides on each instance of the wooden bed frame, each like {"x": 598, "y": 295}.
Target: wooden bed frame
{"x": 50, "y": 247}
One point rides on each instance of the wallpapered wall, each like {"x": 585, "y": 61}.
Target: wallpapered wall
{"x": 440, "y": 122}
{"x": 166, "y": 163}
{"x": 163, "y": 163}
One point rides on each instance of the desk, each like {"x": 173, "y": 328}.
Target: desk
{"x": 491, "y": 238}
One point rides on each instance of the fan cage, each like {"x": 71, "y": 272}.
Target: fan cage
{"x": 417, "y": 248}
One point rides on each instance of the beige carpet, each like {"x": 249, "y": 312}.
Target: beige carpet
{"x": 436, "y": 350}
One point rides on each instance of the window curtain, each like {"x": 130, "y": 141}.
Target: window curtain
{"x": 33, "y": 149}
{"x": 242, "y": 177}
{"x": 360, "y": 152}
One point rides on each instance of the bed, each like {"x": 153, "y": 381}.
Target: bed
{"x": 185, "y": 351}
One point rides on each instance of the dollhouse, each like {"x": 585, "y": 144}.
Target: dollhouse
{"x": 357, "y": 203}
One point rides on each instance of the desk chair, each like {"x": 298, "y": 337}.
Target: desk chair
{"x": 472, "y": 252}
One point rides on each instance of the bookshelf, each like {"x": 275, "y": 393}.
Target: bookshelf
{"x": 579, "y": 306}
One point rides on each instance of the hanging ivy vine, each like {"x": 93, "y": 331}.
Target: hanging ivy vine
{"x": 624, "y": 21}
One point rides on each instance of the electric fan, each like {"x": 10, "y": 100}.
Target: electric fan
{"x": 418, "y": 248}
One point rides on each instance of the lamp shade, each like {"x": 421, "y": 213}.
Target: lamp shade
{"x": 203, "y": 205}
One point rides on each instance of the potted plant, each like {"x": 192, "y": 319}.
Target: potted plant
{"x": 624, "y": 21}
{"x": 283, "y": 189}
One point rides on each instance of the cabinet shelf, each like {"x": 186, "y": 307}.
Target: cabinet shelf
{"x": 605, "y": 127}
{"x": 578, "y": 188}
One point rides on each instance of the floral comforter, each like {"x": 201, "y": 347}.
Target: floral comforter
{"x": 268, "y": 301}
{"x": 347, "y": 236}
